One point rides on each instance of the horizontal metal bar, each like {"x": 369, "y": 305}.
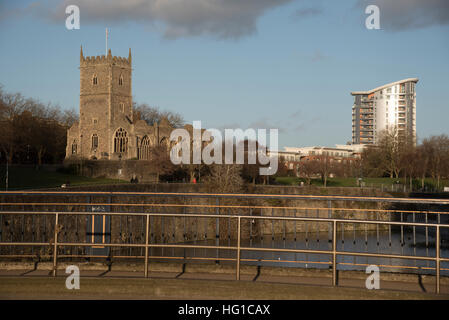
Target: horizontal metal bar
{"x": 230, "y": 195}
{"x": 286, "y": 250}
{"x": 26, "y": 243}
{"x": 215, "y": 258}
{"x": 196, "y": 215}
{"x": 134, "y": 245}
{"x": 176, "y": 205}
{"x": 382, "y": 255}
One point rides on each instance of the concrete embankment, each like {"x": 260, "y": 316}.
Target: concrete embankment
{"x": 198, "y": 281}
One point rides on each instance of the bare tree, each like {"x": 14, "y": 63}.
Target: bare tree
{"x": 437, "y": 149}
{"x": 154, "y": 115}
{"x": 160, "y": 162}
{"x": 31, "y": 130}
{"x": 225, "y": 178}
{"x": 308, "y": 169}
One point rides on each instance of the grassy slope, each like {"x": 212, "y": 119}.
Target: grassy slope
{"x": 30, "y": 178}
{"x": 352, "y": 182}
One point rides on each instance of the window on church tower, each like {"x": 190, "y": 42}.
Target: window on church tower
{"x": 120, "y": 81}
{"x": 95, "y": 80}
{"x": 74, "y": 147}
{"x": 122, "y": 107}
{"x": 94, "y": 141}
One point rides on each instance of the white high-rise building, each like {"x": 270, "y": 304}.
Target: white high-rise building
{"x": 391, "y": 106}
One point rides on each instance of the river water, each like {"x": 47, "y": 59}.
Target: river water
{"x": 384, "y": 242}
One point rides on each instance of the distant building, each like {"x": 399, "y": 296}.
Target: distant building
{"x": 391, "y": 106}
{"x": 292, "y": 157}
{"x": 107, "y": 128}
{"x": 340, "y": 151}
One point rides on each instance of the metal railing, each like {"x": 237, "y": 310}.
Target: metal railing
{"x": 334, "y": 253}
{"x": 230, "y": 196}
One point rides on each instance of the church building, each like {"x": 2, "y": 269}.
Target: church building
{"x": 106, "y": 128}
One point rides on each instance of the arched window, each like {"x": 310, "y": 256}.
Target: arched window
{"x": 120, "y": 81}
{"x": 94, "y": 80}
{"x": 163, "y": 142}
{"x": 122, "y": 107}
{"x": 121, "y": 141}
{"x": 94, "y": 141}
{"x": 74, "y": 147}
{"x": 144, "y": 149}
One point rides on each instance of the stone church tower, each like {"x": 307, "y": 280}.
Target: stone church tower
{"x": 106, "y": 128}
{"x": 105, "y": 103}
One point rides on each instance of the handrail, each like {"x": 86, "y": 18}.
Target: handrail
{"x": 238, "y": 248}
{"x": 233, "y": 195}
{"x": 209, "y": 215}
{"x": 179, "y": 205}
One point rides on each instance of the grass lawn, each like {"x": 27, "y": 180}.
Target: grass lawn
{"x": 30, "y": 178}
{"x": 352, "y": 182}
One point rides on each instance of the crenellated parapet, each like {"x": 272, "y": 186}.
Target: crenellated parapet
{"x": 110, "y": 59}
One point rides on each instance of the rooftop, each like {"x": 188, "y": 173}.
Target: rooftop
{"x": 385, "y": 86}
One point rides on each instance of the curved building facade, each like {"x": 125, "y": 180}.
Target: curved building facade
{"x": 389, "y": 107}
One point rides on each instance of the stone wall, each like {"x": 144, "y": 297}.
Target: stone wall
{"x": 120, "y": 170}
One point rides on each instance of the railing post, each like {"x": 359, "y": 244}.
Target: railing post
{"x": 238, "y": 250}
{"x": 437, "y": 262}
{"x": 146, "y": 245}
{"x": 55, "y": 248}
{"x": 217, "y": 229}
{"x": 329, "y": 215}
{"x": 334, "y": 253}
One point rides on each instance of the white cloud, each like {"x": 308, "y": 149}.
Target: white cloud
{"x": 178, "y": 18}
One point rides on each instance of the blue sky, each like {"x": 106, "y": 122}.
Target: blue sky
{"x": 287, "y": 64}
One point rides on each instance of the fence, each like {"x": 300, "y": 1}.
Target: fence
{"x": 177, "y": 240}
